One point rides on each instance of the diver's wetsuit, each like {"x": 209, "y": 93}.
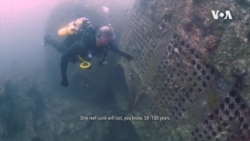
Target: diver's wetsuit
{"x": 84, "y": 45}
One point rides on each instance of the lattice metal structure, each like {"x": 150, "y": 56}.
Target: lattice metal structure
{"x": 170, "y": 76}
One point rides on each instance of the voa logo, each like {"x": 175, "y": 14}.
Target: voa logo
{"x": 222, "y": 15}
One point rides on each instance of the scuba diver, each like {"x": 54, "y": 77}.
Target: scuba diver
{"x": 82, "y": 42}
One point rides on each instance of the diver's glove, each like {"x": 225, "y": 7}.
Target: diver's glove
{"x": 47, "y": 39}
{"x": 64, "y": 83}
{"x": 127, "y": 56}
{"x": 102, "y": 63}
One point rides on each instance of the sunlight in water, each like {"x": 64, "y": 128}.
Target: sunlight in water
{"x": 17, "y": 8}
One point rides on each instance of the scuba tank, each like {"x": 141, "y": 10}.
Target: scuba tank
{"x": 73, "y": 27}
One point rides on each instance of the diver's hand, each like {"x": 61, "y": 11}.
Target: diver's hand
{"x": 47, "y": 39}
{"x": 64, "y": 83}
{"x": 102, "y": 63}
{"x": 128, "y": 56}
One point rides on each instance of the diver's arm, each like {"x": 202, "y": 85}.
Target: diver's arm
{"x": 103, "y": 61}
{"x": 48, "y": 40}
{"x": 64, "y": 64}
{"x": 121, "y": 53}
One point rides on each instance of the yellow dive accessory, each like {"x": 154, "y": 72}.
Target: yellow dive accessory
{"x": 72, "y": 27}
{"x": 84, "y": 64}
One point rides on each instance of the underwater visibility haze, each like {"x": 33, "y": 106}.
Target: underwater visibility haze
{"x": 179, "y": 72}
